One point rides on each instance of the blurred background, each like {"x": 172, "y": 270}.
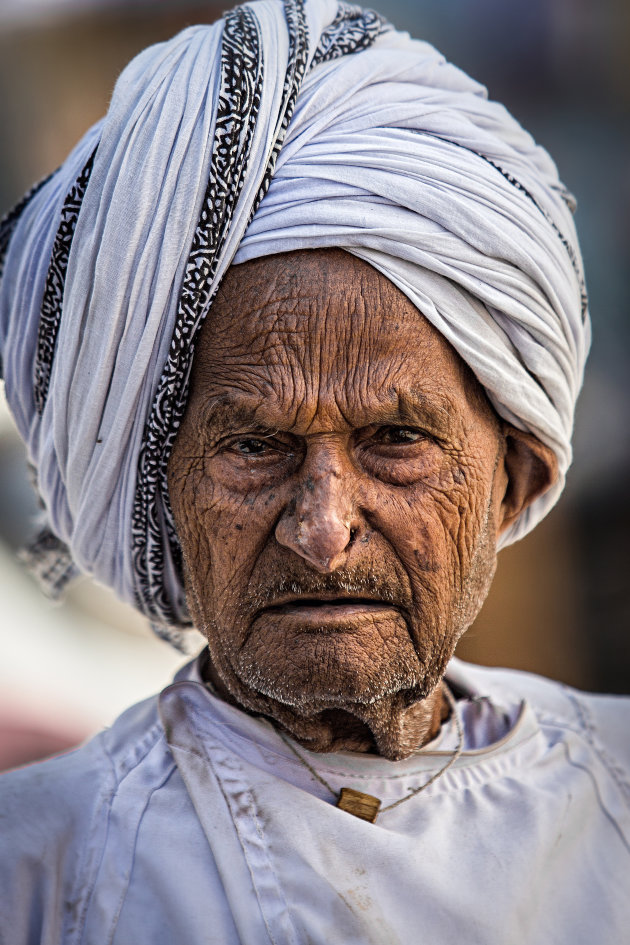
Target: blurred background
{"x": 560, "y": 604}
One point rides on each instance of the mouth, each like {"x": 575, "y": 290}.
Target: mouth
{"x": 327, "y": 608}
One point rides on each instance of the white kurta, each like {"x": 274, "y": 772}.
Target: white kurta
{"x": 190, "y": 822}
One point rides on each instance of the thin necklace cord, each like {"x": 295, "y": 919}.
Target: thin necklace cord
{"x": 451, "y": 761}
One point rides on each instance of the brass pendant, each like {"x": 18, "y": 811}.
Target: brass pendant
{"x": 359, "y": 804}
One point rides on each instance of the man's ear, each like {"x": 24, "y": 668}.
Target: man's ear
{"x": 531, "y": 469}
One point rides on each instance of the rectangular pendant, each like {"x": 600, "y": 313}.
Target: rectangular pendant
{"x": 359, "y": 804}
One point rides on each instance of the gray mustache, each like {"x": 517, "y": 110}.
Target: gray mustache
{"x": 349, "y": 584}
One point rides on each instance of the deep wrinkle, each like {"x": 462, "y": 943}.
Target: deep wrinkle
{"x": 234, "y": 412}
{"x": 338, "y": 446}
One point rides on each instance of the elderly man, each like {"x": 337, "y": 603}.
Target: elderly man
{"x": 294, "y": 338}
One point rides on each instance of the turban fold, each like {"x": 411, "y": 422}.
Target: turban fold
{"x": 285, "y": 125}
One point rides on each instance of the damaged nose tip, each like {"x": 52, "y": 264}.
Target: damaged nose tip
{"x": 325, "y": 565}
{"x": 326, "y": 552}
{"x": 322, "y": 543}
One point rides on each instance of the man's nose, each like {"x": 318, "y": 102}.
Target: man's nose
{"x": 320, "y": 523}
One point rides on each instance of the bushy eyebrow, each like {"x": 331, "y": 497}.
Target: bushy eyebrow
{"x": 226, "y": 413}
{"x": 433, "y": 413}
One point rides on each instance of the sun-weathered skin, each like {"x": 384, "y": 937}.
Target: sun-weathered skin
{"x": 338, "y": 486}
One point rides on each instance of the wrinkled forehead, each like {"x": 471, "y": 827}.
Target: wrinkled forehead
{"x": 323, "y": 327}
{"x": 306, "y": 297}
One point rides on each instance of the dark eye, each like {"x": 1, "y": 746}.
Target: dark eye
{"x": 250, "y": 447}
{"x": 397, "y": 436}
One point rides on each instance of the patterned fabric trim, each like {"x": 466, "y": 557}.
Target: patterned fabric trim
{"x": 352, "y": 29}
{"x": 10, "y": 220}
{"x": 296, "y": 68}
{"x": 242, "y": 72}
{"x": 8, "y": 224}
{"x": 55, "y": 284}
{"x": 46, "y": 557}
{"x": 239, "y": 103}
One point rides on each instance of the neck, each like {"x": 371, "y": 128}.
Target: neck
{"x": 389, "y": 726}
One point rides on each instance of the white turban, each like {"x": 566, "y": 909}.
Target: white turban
{"x": 285, "y": 125}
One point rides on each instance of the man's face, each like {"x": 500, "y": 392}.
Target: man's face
{"x": 335, "y": 485}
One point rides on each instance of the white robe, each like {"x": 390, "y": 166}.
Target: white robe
{"x": 191, "y": 822}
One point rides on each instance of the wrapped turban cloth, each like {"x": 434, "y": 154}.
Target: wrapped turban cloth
{"x": 285, "y": 125}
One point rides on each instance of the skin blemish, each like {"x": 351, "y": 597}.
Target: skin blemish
{"x": 425, "y": 562}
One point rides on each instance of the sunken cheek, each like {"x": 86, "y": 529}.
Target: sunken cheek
{"x": 232, "y": 525}
{"x": 425, "y": 527}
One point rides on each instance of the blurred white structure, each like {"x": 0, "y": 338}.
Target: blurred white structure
{"x": 72, "y": 667}
{"x": 67, "y": 668}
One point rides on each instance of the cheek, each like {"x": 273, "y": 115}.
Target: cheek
{"x": 232, "y": 517}
{"x": 433, "y": 526}
{"x": 222, "y": 531}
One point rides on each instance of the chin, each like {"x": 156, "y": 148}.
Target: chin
{"x": 320, "y": 671}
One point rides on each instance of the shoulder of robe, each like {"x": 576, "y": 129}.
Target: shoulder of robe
{"x": 53, "y": 819}
{"x": 602, "y": 720}
{"x": 62, "y": 785}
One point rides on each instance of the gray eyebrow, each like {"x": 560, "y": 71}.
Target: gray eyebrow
{"x": 434, "y": 413}
{"x": 224, "y": 413}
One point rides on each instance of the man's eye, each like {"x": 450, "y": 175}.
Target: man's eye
{"x": 398, "y": 435}
{"x": 251, "y": 447}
